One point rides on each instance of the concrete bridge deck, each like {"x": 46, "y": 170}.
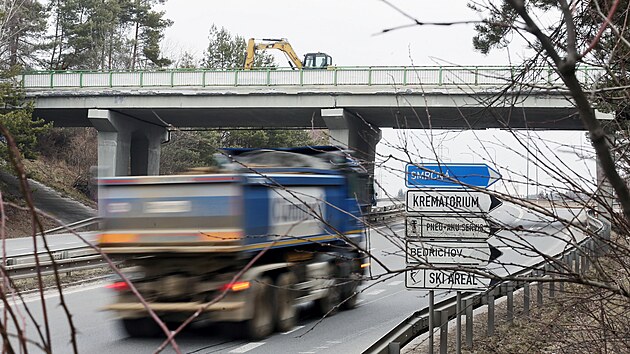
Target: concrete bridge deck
{"x": 397, "y": 97}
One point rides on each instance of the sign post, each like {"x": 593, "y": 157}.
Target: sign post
{"x": 446, "y": 225}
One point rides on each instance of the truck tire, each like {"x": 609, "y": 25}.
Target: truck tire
{"x": 351, "y": 294}
{"x": 144, "y": 327}
{"x": 327, "y": 306}
{"x": 286, "y": 313}
{"x": 261, "y": 324}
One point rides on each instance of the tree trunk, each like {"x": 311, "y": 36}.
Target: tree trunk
{"x": 56, "y": 41}
{"x": 598, "y": 139}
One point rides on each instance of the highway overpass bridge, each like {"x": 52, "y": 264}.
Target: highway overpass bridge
{"x": 133, "y": 111}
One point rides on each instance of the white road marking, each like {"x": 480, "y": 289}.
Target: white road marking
{"x": 384, "y": 297}
{"x": 375, "y": 292}
{"x": 247, "y": 347}
{"x": 521, "y": 213}
{"x": 20, "y": 249}
{"x": 392, "y": 249}
{"x": 53, "y": 292}
{"x": 293, "y": 330}
{"x": 333, "y": 341}
{"x": 394, "y": 283}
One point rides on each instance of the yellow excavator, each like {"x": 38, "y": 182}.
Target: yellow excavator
{"x": 311, "y": 60}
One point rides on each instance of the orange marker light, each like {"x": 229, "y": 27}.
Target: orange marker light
{"x": 238, "y": 286}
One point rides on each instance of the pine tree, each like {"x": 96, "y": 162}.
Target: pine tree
{"x": 226, "y": 51}
{"x": 16, "y": 116}
{"x": 148, "y": 30}
{"x": 107, "y": 34}
{"x": 21, "y": 29}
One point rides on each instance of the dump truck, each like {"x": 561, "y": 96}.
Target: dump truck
{"x": 244, "y": 242}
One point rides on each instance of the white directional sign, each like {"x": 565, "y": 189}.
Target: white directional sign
{"x": 435, "y": 279}
{"x": 450, "y": 201}
{"x": 450, "y": 253}
{"x": 441, "y": 226}
{"x": 446, "y": 225}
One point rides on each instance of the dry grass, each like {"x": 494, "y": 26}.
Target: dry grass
{"x": 577, "y": 321}
{"x": 19, "y": 224}
{"x": 580, "y": 319}
{"x": 57, "y": 175}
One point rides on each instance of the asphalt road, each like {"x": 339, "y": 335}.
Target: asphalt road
{"x": 24, "y": 245}
{"x": 384, "y": 301}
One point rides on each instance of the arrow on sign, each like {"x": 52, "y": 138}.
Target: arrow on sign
{"x": 452, "y": 175}
{"x": 494, "y": 202}
{"x": 413, "y": 275}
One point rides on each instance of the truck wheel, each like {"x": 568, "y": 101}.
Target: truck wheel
{"x": 326, "y": 306}
{"x": 261, "y": 324}
{"x": 144, "y": 327}
{"x": 351, "y": 295}
{"x": 286, "y": 313}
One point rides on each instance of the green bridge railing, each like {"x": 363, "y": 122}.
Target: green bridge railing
{"x": 336, "y": 76}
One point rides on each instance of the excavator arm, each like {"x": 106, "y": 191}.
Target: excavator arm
{"x": 280, "y": 44}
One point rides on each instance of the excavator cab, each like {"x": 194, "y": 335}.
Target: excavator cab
{"x": 317, "y": 61}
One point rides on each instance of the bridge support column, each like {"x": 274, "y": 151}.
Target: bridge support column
{"x": 126, "y": 146}
{"x": 347, "y": 130}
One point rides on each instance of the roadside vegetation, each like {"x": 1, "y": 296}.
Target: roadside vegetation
{"x": 593, "y": 310}
{"x": 578, "y": 319}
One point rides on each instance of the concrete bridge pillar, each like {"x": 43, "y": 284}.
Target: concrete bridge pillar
{"x": 350, "y": 131}
{"x": 126, "y": 146}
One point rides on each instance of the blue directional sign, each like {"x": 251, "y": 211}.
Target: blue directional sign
{"x": 451, "y": 175}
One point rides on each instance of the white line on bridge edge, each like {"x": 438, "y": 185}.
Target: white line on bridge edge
{"x": 247, "y": 347}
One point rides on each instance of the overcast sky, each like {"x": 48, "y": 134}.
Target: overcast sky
{"x": 350, "y": 31}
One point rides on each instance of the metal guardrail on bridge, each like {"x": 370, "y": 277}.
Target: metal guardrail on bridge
{"x": 336, "y": 76}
